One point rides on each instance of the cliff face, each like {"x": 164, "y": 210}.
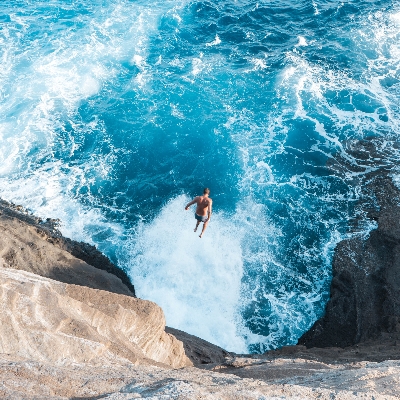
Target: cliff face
{"x": 33, "y": 245}
{"x": 57, "y": 323}
{"x": 82, "y": 333}
{"x": 365, "y": 290}
{"x": 60, "y": 309}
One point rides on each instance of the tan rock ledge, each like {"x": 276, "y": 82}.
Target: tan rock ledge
{"x": 58, "y": 323}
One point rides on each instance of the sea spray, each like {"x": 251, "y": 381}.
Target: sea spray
{"x": 196, "y": 281}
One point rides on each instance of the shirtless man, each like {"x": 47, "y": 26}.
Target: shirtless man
{"x": 203, "y": 210}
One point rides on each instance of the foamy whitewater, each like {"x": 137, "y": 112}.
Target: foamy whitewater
{"x": 115, "y": 113}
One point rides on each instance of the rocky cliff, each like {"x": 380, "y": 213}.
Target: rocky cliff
{"x": 60, "y": 309}
{"x": 70, "y": 326}
{"x": 35, "y": 245}
{"x": 57, "y": 323}
{"x": 365, "y": 290}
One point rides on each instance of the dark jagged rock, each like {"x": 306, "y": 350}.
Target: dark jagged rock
{"x": 199, "y": 351}
{"x": 365, "y": 290}
{"x": 48, "y": 230}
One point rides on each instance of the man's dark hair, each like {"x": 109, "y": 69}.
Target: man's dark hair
{"x": 206, "y": 191}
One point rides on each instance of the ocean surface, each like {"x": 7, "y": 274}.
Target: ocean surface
{"x": 115, "y": 113}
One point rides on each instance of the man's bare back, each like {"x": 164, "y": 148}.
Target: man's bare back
{"x": 203, "y": 210}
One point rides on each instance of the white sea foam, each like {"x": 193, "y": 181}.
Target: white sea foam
{"x": 47, "y": 193}
{"x": 259, "y": 64}
{"x": 197, "y": 65}
{"x": 395, "y": 17}
{"x": 315, "y": 6}
{"x": 215, "y": 42}
{"x": 307, "y": 85}
{"x": 196, "y": 281}
{"x": 302, "y": 41}
{"x": 211, "y": 281}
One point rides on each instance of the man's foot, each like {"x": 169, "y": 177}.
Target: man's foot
{"x": 200, "y": 236}
{"x": 195, "y": 229}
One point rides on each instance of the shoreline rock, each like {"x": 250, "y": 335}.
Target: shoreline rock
{"x": 63, "y": 324}
{"x": 199, "y": 351}
{"x": 365, "y": 290}
{"x": 34, "y": 245}
{"x": 83, "y": 334}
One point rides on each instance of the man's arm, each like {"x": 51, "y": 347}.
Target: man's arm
{"x": 190, "y": 203}
{"x": 209, "y": 210}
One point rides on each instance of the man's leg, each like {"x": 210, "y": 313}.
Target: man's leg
{"x": 197, "y": 225}
{"x": 204, "y": 228}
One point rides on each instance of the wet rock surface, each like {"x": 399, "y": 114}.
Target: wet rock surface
{"x": 365, "y": 290}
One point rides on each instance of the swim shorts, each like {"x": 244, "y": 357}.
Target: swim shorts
{"x": 201, "y": 218}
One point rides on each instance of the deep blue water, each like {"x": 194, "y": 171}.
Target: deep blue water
{"x": 114, "y": 113}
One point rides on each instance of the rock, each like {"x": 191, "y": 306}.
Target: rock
{"x": 365, "y": 290}
{"x": 26, "y": 246}
{"x": 27, "y": 243}
{"x": 361, "y": 380}
{"x": 199, "y": 351}
{"x": 293, "y": 379}
{"x": 56, "y": 323}
{"x": 19, "y": 222}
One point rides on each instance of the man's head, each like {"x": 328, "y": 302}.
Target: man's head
{"x": 206, "y": 191}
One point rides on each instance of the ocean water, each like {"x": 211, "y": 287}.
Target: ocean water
{"x": 115, "y": 113}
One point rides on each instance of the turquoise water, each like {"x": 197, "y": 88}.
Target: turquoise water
{"x": 114, "y": 113}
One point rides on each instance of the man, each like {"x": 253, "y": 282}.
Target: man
{"x": 203, "y": 210}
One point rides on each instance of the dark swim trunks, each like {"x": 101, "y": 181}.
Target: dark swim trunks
{"x": 200, "y": 218}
